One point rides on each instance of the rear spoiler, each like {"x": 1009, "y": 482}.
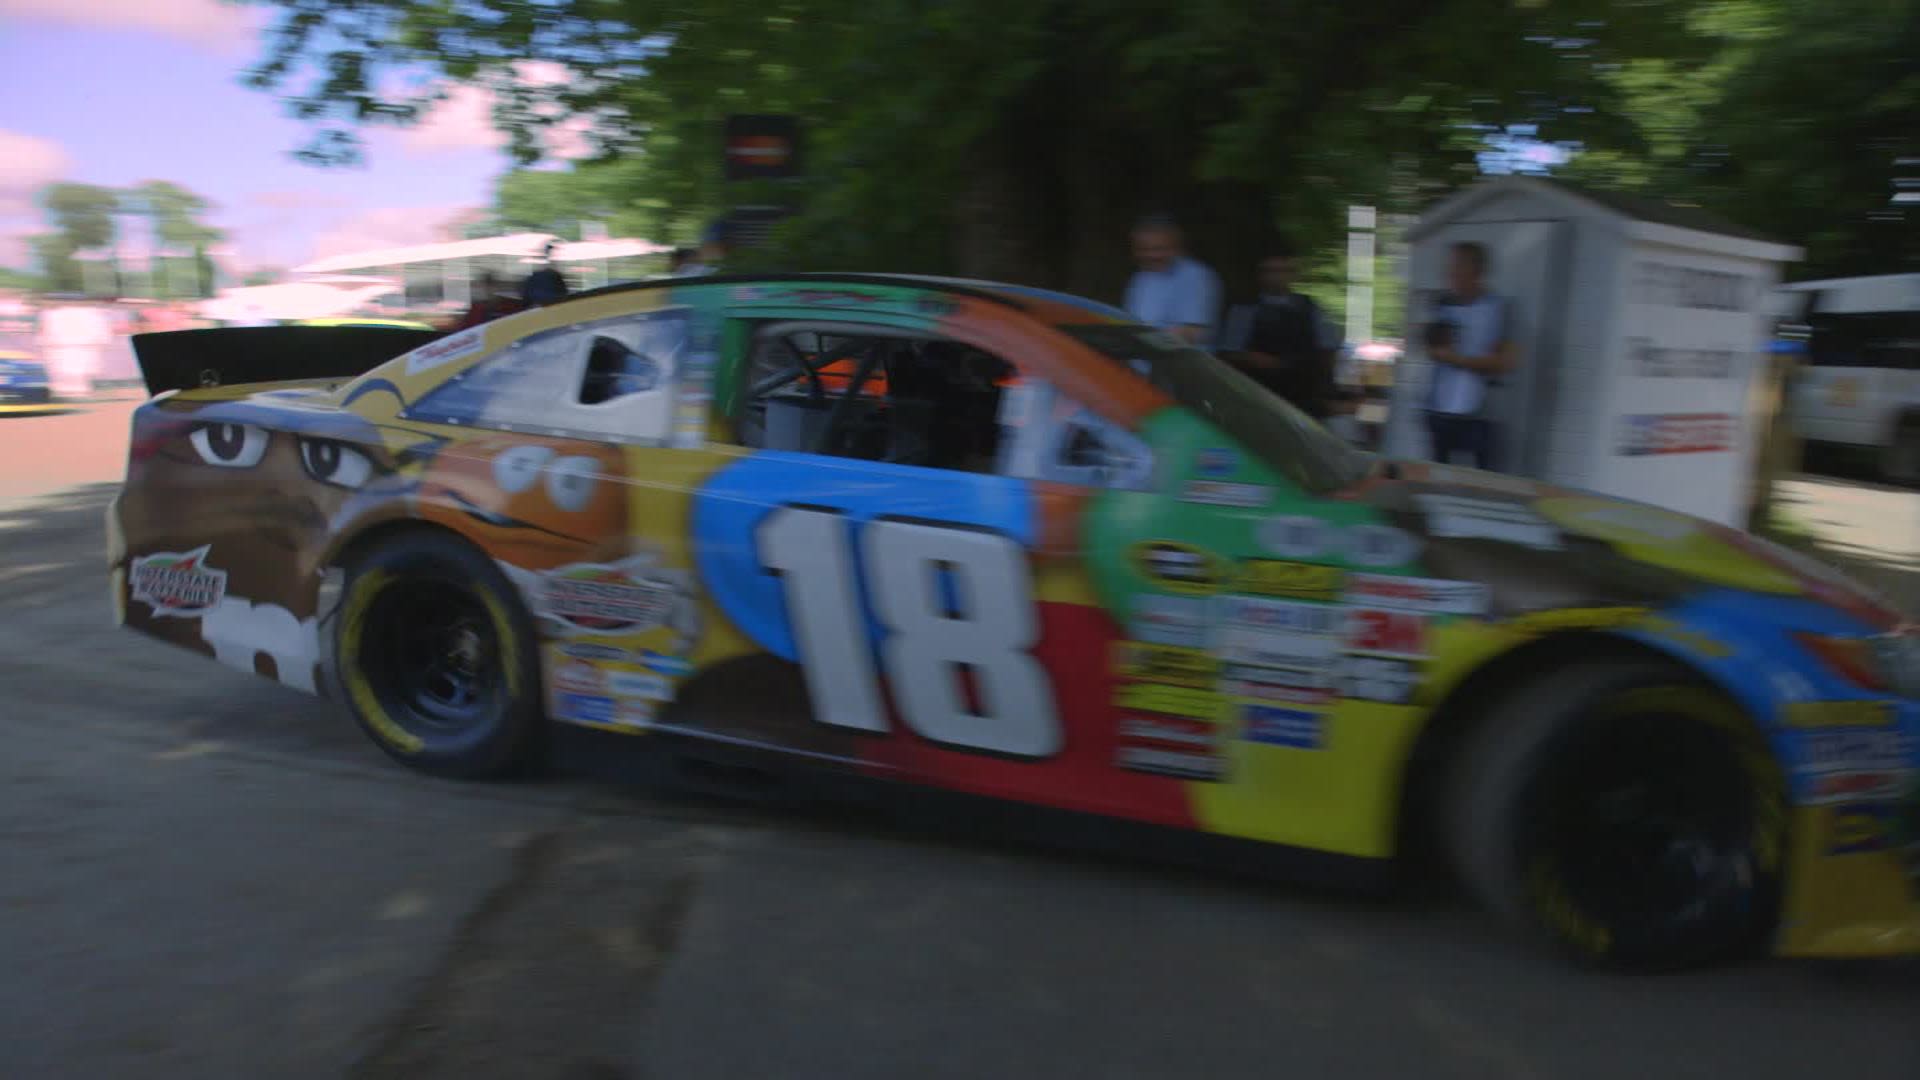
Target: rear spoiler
{"x": 184, "y": 359}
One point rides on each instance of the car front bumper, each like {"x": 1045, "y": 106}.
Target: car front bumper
{"x": 1853, "y": 886}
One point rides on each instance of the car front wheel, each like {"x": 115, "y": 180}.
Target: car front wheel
{"x": 1632, "y": 816}
{"x": 437, "y": 658}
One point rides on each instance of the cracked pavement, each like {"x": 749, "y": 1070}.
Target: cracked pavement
{"x": 204, "y": 875}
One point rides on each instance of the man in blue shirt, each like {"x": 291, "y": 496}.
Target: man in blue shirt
{"x": 1171, "y": 291}
{"x": 1470, "y": 340}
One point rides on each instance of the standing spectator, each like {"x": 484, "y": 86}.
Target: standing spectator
{"x": 490, "y": 302}
{"x": 74, "y": 338}
{"x": 1171, "y": 291}
{"x": 545, "y": 285}
{"x": 1283, "y": 340}
{"x": 1469, "y": 339}
{"x": 715, "y": 245}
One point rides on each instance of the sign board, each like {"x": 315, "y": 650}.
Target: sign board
{"x": 762, "y": 147}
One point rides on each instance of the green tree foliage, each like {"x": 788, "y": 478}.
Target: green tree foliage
{"x": 82, "y": 220}
{"x": 1011, "y": 138}
{"x": 560, "y": 201}
{"x": 1795, "y": 126}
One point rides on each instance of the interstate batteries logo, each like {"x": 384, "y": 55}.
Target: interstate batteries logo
{"x": 606, "y": 599}
{"x": 178, "y": 584}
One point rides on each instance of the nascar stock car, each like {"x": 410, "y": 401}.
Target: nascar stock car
{"x": 23, "y": 378}
{"x": 930, "y": 534}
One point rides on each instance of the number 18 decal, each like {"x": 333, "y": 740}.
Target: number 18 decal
{"x": 928, "y": 643}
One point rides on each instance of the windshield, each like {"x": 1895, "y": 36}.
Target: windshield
{"x": 1259, "y": 420}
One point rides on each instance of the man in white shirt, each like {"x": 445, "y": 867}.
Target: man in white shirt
{"x": 1470, "y": 342}
{"x": 1171, "y": 291}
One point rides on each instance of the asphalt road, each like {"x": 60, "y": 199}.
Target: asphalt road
{"x": 203, "y": 875}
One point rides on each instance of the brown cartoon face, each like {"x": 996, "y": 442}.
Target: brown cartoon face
{"x": 227, "y": 515}
{"x": 537, "y": 503}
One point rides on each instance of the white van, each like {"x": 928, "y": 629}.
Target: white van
{"x": 1860, "y": 383}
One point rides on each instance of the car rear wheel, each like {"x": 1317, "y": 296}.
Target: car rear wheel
{"x": 437, "y": 660}
{"x": 1631, "y": 816}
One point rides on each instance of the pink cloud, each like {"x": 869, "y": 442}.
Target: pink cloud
{"x": 224, "y": 27}
{"x": 27, "y": 163}
{"x": 463, "y": 120}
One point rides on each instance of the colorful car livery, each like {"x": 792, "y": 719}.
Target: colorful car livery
{"x": 1006, "y": 543}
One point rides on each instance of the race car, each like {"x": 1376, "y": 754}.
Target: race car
{"x": 23, "y": 378}
{"x": 995, "y": 543}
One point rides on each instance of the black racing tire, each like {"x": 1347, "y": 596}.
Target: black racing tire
{"x": 1900, "y": 460}
{"x": 1628, "y": 814}
{"x": 438, "y": 659}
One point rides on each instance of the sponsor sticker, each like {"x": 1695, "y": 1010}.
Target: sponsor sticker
{"x": 1215, "y": 463}
{"x": 671, "y": 666}
{"x": 1379, "y": 632}
{"x": 583, "y": 708}
{"x": 1861, "y": 827}
{"x": 586, "y": 650}
{"x": 1171, "y": 700}
{"x": 1276, "y": 726}
{"x": 1170, "y": 620}
{"x": 1167, "y": 664}
{"x": 639, "y": 684}
{"x": 633, "y": 714}
{"x": 1221, "y": 493}
{"x": 1291, "y": 536}
{"x": 1842, "y": 787}
{"x": 1839, "y": 714}
{"x": 579, "y": 678}
{"x": 1274, "y": 648}
{"x": 602, "y": 598}
{"x": 1177, "y": 567}
{"x": 1308, "y": 678}
{"x": 1378, "y": 546}
{"x": 1282, "y": 693}
{"x": 1177, "y": 732}
{"x": 1260, "y": 613}
{"x": 1374, "y": 678}
{"x": 1184, "y": 764}
{"x": 1418, "y": 594}
{"x": 445, "y": 351}
{"x": 178, "y": 584}
{"x": 1853, "y": 751}
{"x": 1293, "y": 580}
{"x": 1460, "y": 518}
{"x": 1676, "y": 433}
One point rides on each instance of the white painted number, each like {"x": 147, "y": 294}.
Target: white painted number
{"x": 951, "y": 600}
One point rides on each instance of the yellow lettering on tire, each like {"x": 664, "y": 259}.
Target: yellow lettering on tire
{"x": 359, "y": 691}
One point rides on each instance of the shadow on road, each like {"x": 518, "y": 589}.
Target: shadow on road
{"x": 47, "y": 542}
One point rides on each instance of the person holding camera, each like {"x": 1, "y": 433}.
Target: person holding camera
{"x": 1470, "y": 342}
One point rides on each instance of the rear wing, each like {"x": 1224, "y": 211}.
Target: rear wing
{"x": 184, "y": 359}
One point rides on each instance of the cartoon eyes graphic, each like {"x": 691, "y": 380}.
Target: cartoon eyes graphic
{"x": 335, "y": 463}
{"x": 230, "y": 446}
{"x": 517, "y": 469}
{"x": 242, "y": 446}
{"x": 570, "y": 481}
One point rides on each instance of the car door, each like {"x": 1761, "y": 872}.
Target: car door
{"x": 934, "y": 624}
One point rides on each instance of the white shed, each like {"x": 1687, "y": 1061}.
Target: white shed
{"x": 1641, "y": 327}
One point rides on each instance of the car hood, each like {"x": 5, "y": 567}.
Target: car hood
{"x": 1540, "y": 547}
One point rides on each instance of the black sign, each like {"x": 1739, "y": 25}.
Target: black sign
{"x": 760, "y": 147}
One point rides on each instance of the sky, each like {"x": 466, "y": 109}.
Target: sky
{"x": 114, "y": 92}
